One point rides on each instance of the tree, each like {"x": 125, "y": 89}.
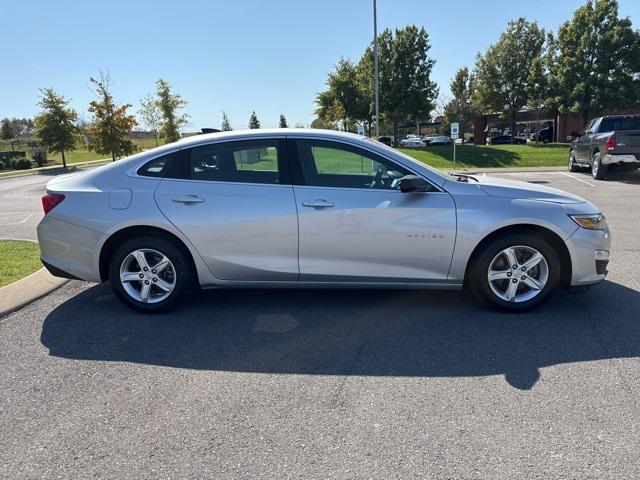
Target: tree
{"x": 503, "y": 79}
{"x": 406, "y": 88}
{"x": 253, "y": 121}
{"x": 7, "y": 131}
{"x": 169, "y": 103}
{"x": 596, "y": 60}
{"x": 461, "y": 108}
{"x": 344, "y": 99}
{"x": 320, "y": 123}
{"x": 150, "y": 115}
{"x": 283, "y": 121}
{"x": 110, "y": 130}
{"x": 226, "y": 124}
{"x": 55, "y": 125}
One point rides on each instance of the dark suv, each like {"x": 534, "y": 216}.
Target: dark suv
{"x": 607, "y": 142}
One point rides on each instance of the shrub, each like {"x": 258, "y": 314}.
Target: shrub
{"x": 22, "y": 164}
{"x": 8, "y": 159}
{"x": 40, "y": 156}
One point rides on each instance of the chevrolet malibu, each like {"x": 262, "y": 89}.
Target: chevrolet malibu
{"x": 313, "y": 208}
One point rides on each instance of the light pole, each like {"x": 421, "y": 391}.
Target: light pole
{"x": 375, "y": 68}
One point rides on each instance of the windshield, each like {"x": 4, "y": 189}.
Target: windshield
{"x": 411, "y": 159}
{"x": 620, "y": 123}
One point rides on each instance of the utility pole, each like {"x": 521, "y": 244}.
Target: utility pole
{"x": 376, "y": 75}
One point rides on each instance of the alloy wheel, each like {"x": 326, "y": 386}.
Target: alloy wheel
{"x": 518, "y": 274}
{"x": 147, "y": 275}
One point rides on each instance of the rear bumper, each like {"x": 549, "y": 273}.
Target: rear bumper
{"x": 610, "y": 159}
{"x": 68, "y": 250}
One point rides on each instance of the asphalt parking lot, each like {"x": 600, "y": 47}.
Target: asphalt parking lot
{"x": 329, "y": 384}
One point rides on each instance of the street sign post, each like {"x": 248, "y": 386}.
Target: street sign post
{"x": 455, "y": 134}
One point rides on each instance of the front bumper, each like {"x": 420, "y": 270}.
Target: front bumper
{"x": 587, "y": 247}
{"x": 68, "y": 250}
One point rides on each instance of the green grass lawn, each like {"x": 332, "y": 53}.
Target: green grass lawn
{"x": 478, "y": 156}
{"x": 439, "y": 156}
{"x": 19, "y": 259}
{"x": 80, "y": 153}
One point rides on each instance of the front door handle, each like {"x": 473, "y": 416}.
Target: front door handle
{"x": 318, "y": 204}
{"x": 187, "y": 199}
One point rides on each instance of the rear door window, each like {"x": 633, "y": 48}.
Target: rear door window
{"x": 253, "y": 161}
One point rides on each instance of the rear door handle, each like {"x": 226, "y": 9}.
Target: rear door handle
{"x": 318, "y": 204}
{"x": 188, "y": 199}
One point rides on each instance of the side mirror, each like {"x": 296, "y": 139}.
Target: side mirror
{"x": 414, "y": 184}
{"x": 573, "y": 135}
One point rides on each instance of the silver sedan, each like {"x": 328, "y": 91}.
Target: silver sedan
{"x": 313, "y": 208}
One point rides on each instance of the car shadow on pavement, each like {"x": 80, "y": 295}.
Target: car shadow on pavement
{"x": 351, "y": 332}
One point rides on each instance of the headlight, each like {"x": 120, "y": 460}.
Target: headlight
{"x": 591, "y": 222}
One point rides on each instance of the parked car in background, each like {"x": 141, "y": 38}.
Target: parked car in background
{"x": 440, "y": 140}
{"x": 607, "y": 143}
{"x": 412, "y": 142}
{"x": 388, "y": 141}
{"x": 504, "y": 140}
{"x": 313, "y": 208}
{"x": 545, "y": 135}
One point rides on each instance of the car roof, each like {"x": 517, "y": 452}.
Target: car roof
{"x": 267, "y": 132}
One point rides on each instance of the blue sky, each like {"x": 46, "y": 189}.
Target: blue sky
{"x": 241, "y": 55}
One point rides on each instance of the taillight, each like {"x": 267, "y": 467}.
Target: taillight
{"x": 50, "y": 200}
{"x": 611, "y": 143}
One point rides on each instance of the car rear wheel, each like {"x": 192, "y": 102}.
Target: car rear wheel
{"x": 598, "y": 170}
{"x": 517, "y": 272}
{"x": 151, "y": 274}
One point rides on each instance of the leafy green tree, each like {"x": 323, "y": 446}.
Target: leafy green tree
{"x": 283, "y": 121}
{"x": 253, "y": 121}
{"x": 226, "y": 124}
{"x": 7, "y": 131}
{"x": 461, "y": 108}
{"x": 596, "y": 60}
{"x": 110, "y": 130}
{"x": 150, "y": 114}
{"x": 344, "y": 99}
{"x": 55, "y": 125}
{"x": 406, "y": 88}
{"x": 503, "y": 78}
{"x": 169, "y": 103}
{"x": 320, "y": 123}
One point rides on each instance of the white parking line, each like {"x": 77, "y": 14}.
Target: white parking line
{"x": 21, "y": 221}
{"x": 576, "y": 178}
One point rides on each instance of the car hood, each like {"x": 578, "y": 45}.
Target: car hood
{"x": 498, "y": 187}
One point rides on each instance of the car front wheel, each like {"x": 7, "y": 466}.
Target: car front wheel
{"x": 573, "y": 167}
{"x": 151, "y": 274}
{"x": 517, "y": 272}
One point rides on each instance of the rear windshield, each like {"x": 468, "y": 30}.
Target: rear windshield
{"x": 620, "y": 123}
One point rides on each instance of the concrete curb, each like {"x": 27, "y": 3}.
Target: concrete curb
{"x": 72, "y": 167}
{"x": 28, "y": 289}
{"x": 511, "y": 170}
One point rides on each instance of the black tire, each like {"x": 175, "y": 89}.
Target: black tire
{"x": 479, "y": 268}
{"x": 184, "y": 273}
{"x": 598, "y": 170}
{"x": 573, "y": 166}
